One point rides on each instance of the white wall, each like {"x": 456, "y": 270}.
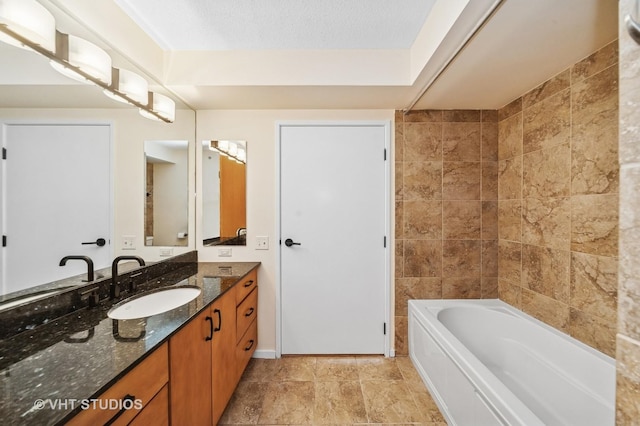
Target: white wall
{"x": 258, "y": 128}
{"x": 210, "y": 193}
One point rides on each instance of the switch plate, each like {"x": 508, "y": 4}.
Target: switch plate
{"x": 128, "y": 242}
{"x": 224, "y": 252}
{"x": 166, "y": 251}
{"x": 262, "y": 243}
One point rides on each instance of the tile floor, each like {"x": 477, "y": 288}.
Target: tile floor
{"x": 332, "y": 390}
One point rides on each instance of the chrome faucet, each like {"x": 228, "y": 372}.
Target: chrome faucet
{"x": 114, "y": 290}
{"x": 87, "y": 259}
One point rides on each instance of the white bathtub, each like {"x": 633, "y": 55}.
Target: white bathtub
{"x": 487, "y": 363}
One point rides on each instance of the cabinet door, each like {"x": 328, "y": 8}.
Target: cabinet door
{"x": 223, "y": 364}
{"x": 190, "y": 372}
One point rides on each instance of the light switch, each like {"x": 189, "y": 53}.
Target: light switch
{"x": 262, "y": 243}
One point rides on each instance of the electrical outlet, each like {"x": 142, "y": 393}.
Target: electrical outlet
{"x": 224, "y": 252}
{"x": 166, "y": 251}
{"x": 262, "y": 243}
{"x": 128, "y": 242}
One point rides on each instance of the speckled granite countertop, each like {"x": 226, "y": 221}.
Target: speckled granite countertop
{"x": 82, "y": 354}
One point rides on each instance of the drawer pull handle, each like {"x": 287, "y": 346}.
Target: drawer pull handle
{"x": 249, "y": 312}
{"x": 248, "y": 283}
{"x": 123, "y": 409}
{"x": 210, "y": 336}
{"x": 248, "y": 348}
{"x": 217, "y": 312}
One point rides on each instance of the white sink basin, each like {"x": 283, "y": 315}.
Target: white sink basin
{"x": 153, "y": 303}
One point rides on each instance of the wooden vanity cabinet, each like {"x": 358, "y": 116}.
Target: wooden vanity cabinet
{"x": 147, "y": 383}
{"x": 223, "y": 365}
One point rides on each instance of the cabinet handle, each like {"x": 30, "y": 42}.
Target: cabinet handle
{"x": 210, "y": 336}
{"x": 122, "y": 410}
{"x": 248, "y": 348}
{"x": 248, "y": 283}
{"x": 249, "y": 312}
{"x": 217, "y": 312}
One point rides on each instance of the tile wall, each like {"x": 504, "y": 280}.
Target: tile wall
{"x": 558, "y": 200}
{"x": 446, "y": 232}
{"x": 628, "y": 338}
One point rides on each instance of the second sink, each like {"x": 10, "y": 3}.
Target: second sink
{"x": 153, "y": 303}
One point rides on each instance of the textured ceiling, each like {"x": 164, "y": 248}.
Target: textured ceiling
{"x": 280, "y": 24}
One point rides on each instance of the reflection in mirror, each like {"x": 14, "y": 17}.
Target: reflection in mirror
{"x": 224, "y": 192}
{"x": 166, "y": 220}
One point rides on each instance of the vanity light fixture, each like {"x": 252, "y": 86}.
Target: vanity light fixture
{"x": 27, "y": 20}
{"x": 28, "y": 24}
{"x": 233, "y": 150}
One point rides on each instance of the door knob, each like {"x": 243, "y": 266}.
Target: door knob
{"x": 289, "y": 242}
{"x": 99, "y": 242}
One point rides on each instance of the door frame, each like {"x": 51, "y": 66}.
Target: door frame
{"x": 8, "y": 121}
{"x": 386, "y": 124}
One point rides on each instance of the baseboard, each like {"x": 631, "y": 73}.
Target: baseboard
{"x": 264, "y": 353}
{"x": 392, "y": 353}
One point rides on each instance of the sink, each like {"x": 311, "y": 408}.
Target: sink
{"x": 153, "y": 303}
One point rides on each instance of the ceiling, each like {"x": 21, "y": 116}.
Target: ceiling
{"x": 328, "y": 54}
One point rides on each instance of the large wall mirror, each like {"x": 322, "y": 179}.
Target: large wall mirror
{"x": 224, "y": 193}
{"x": 33, "y": 94}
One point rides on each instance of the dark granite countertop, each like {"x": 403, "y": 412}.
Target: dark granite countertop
{"x": 81, "y": 354}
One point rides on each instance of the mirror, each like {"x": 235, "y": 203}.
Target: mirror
{"x": 224, "y": 193}
{"x": 166, "y": 212}
{"x": 32, "y": 92}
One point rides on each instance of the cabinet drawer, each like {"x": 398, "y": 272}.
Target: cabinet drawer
{"x": 246, "y": 348}
{"x": 246, "y": 285}
{"x": 142, "y": 383}
{"x": 156, "y": 412}
{"x": 246, "y": 312}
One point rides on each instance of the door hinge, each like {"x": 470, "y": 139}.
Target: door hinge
{"x": 4, "y": 153}
{"x": 4, "y": 241}
{"x": 385, "y": 241}
{"x": 385, "y": 154}
{"x": 384, "y": 328}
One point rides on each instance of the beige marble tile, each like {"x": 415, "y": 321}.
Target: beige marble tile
{"x": 489, "y": 188}
{"x": 629, "y": 96}
{"x": 425, "y": 402}
{"x": 549, "y": 88}
{"x": 510, "y": 293}
{"x": 594, "y": 224}
{"x": 259, "y": 370}
{"x": 399, "y": 219}
{"x": 407, "y": 369}
{"x": 461, "y": 115}
{"x": 461, "y": 220}
{"x": 399, "y": 180}
{"x": 547, "y": 123}
{"x": 422, "y": 141}
{"x": 422, "y": 116}
{"x": 510, "y": 109}
{"x": 390, "y": 401}
{"x": 461, "y": 288}
{"x": 422, "y": 220}
{"x": 339, "y": 403}
{"x": 415, "y": 288}
{"x": 594, "y": 285}
{"x": 461, "y": 141}
{"x": 510, "y": 179}
{"x": 378, "y": 368}
{"x": 596, "y": 62}
{"x": 510, "y": 220}
{"x": 628, "y": 317}
{"x": 422, "y": 258}
{"x": 335, "y": 369}
{"x": 509, "y": 261}
{"x": 627, "y": 407}
{"x": 593, "y": 331}
{"x": 489, "y": 258}
{"x": 401, "y": 335}
{"x": 489, "y": 229}
{"x": 461, "y": 258}
{"x": 422, "y": 180}
{"x": 489, "y": 141}
{"x": 489, "y": 115}
{"x": 547, "y": 271}
{"x": 547, "y": 222}
{"x": 461, "y": 180}
{"x": 398, "y": 141}
{"x": 399, "y": 258}
{"x": 245, "y": 405}
{"x": 547, "y": 173}
{"x": 546, "y": 309}
{"x": 288, "y": 403}
{"x": 295, "y": 368}
{"x": 510, "y": 137}
{"x": 489, "y": 288}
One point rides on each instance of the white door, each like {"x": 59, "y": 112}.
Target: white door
{"x": 56, "y": 195}
{"x": 333, "y": 203}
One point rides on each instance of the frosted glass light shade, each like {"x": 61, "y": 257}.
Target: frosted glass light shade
{"x": 86, "y": 56}
{"x": 130, "y": 84}
{"x": 30, "y": 20}
{"x": 163, "y": 106}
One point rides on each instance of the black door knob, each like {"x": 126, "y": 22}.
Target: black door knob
{"x": 99, "y": 242}
{"x": 289, "y": 242}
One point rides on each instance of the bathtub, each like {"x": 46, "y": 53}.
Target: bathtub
{"x": 487, "y": 363}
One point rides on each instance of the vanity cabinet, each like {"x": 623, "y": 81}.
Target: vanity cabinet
{"x": 223, "y": 372}
{"x": 143, "y": 391}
